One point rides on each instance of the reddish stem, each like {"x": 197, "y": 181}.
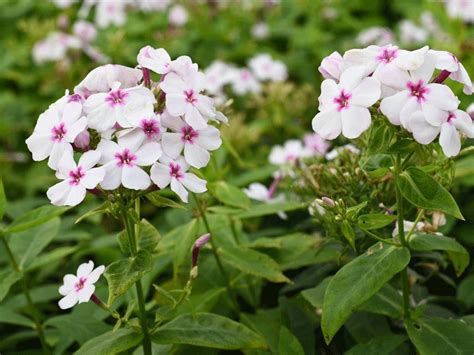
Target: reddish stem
{"x": 442, "y": 76}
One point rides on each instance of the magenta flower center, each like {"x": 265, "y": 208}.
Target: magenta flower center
{"x": 451, "y": 117}
{"x": 418, "y": 90}
{"x": 190, "y": 96}
{"x": 116, "y": 97}
{"x": 188, "y": 134}
{"x": 386, "y": 55}
{"x": 74, "y": 98}
{"x": 245, "y": 75}
{"x": 80, "y": 284}
{"x": 342, "y": 101}
{"x": 75, "y": 176}
{"x": 58, "y": 132}
{"x": 150, "y": 128}
{"x": 125, "y": 158}
{"x": 175, "y": 171}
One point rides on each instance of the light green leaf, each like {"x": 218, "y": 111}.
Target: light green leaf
{"x": 122, "y": 274}
{"x": 288, "y": 343}
{"x": 103, "y": 208}
{"x": 3, "y": 199}
{"x": 375, "y": 220}
{"x": 388, "y": 302}
{"x": 252, "y": 262}
{"x": 9, "y": 316}
{"x": 208, "y": 330}
{"x": 229, "y": 194}
{"x": 356, "y": 282}
{"x": 35, "y": 218}
{"x": 427, "y": 242}
{"x": 112, "y": 342}
{"x": 158, "y": 200}
{"x": 315, "y": 295}
{"x": 425, "y": 192}
{"x": 182, "y": 249}
{"x": 149, "y": 236}
{"x": 348, "y": 233}
{"x": 382, "y": 345}
{"x": 441, "y": 336}
{"x": 8, "y": 278}
{"x": 381, "y": 135}
{"x": 265, "y": 209}
{"x": 50, "y": 257}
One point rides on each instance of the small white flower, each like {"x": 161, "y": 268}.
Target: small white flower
{"x": 144, "y": 129}
{"x": 260, "y": 30}
{"x": 77, "y": 178}
{"x": 259, "y": 192}
{"x": 218, "y": 74}
{"x": 54, "y": 47}
{"x": 265, "y": 68}
{"x": 85, "y": 30}
{"x": 196, "y": 143}
{"x": 410, "y": 33}
{"x": 316, "y": 144}
{"x": 123, "y": 164}
{"x": 407, "y": 226}
{"x": 463, "y": 9}
{"x": 333, "y": 154}
{"x": 379, "y": 36}
{"x": 55, "y": 131}
{"x": 157, "y": 60}
{"x": 79, "y": 288}
{"x": 449, "y": 62}
{"x": 175, "y": 173}
{"x": 289, "y": 153}
{"x": 178, "y": 16}
{"x": 243, "y": 82}
{"x": 118, "y": 106}
{"x": 344, "y": 106}
{"x": 111, "y": 12}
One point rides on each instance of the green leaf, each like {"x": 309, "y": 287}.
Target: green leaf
{"x": 465, "y": 291}
{"x": 380, "y": 138}
{"x": 112, "y": 342}
{"x": 50, "y": 257}
{"x": 229, "y": 194}
{"x": 149, "y": 236}
{"x": 3, "y": 199}
{"x": 441, "y": 336}
{"x": 428, "y": 242}
{"x": 388, "y": 302}
{"x": 381, "y": 345}
{"x": 122, "y": 274}
{"x": 425, "y": 192}
{"x": 375, "y": 220}
{"x": 158, "y": 200}
{"x": 356, "y": 282}
{"x": 252, "y": 262}
{"x": 265, "y": 209}
{"x": 348, "y": 233}
{"x": 182, "y": 250}
{"x": 103, "y": 208}
{"x": 315, "y": 295}
{"x": 35, "y": 218}
{"x": 9, "y": 316}
{"x": 208, "y": 330}
{"x": 288, "y": 343}
{"x": 8, "y": 278}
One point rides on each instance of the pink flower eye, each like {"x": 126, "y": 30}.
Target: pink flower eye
{"x": 175, "y": 171}
{"x": 58, "y": 132}
{"x": 126, "y": 157}
{"x": 116, "y": 97}
{"x": 342, "y": 100}
{"x": 75, "y": 176}
{"x": 188, "y": 134}
{"x": 150, "y": 128}
{"x": 418, "y": 90}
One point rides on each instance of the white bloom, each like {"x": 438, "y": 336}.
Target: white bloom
{"x": 175, "y": 172}
{"x": 407, "y": 226}
{"x": 153, "y": 5}
{"x": 259, "y": 192}
{"x": 470, "y": 111}
{"x": 416, "y": 93}
{"x": 104, "y": 110}
{"x": 54, "y": 132}
{"x": 178, "y": 16}
{"x": 344, "y": 106}
{"x": 449, "y": 62}
{"x": 289, "y": 153}
{"x": 243, "y": 82}
{"x": 157, "y": 60}
{"x": 260, "y": 30}
{"x": 77, "y": 178}
{"x": 111, "y": 12}
{"x": 333, "y": 154}
{"x": 54, "y": 47}
{"x": 379, "y": 36}
{"x": 410, "y": 33}
{"x": 85, "y": 30}
{"x": 463, "y": 9}
{"x": 315, "y": 143}
{"x": 123, "y": 164}
{"x": 102, "y": 78}
{"x": 183, "y": 98}
{"x": 79, "y": 288}
{"x": 144, "y": 129}
{"x": 196, "y": 142}
{"x": 218, "y": 74}
{"x": 449, "y": 139}
{"x": 331, "y": 66}
{"x": 265, "y": 68}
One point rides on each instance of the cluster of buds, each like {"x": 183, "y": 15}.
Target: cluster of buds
{"x": 411, "y": 95}
{"x": 131, "y": 131}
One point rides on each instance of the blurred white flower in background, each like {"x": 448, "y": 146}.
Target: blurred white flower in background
{"x": 178, "y": 16}
{"x": 463, "y": 9}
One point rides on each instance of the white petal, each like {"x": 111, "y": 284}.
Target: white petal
{"x": 366, "y": 93}
{"x": 40, "y": 145}
{"x": 355, "y": 121}
{"x": 173, "y": 84}
{"x": 95, "y": 274}
{"x": 351, "y": 77}
{"x": 131, "y": 138}
{"x": 175, "y": 123}
{"x": 209, "y": 138}
{"x": 135, "y": 178}
{"x": 58, "y": 151}
{"x": 58, "y": 193}
{"x": 179, "y": 189}
{"x": 66, "y": 164}
{"x": 76, "y": 195}
{"x": 68, "y": 301}
{"x": 327, "y": 124}
{"x": 425, "y": 71}
{"x": 112, "y": 178}
{"x": 172, "y": 144}
{"x": 205, "y": 105}
{"x": 93, "y": 177}
{"x": 89, "y": 159}
{"x": 434, "y": 115}
{"x": 86, "y": 293}
{"x": 411, "y": 60}
{"x": 196, "y": 156}
{"x": 176, "y": 104}
{"x": 193, "y": 183}
{"x": 69, "y": 281}
{"x": 449, "y": 140}
{"x": 423, "y": 132}
{"x": 441, "y": 96}
{"x": 160, "y": 175}
{"x": 194, "y": 118}
{"x": 391, "y": 106}
{"x": 464, "y": 123}
{"x": 107, "y": 149}
{"x": 76, "y": 128}
{"x": 329, "y": 90}
{"x": 148, "y": 154}
{"x": 392, "y": 76}
{"x": 85, "y": 269}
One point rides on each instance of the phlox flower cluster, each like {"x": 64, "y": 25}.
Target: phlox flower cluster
{"x": 118, "y": 129}
{"x": 462, "y": 9}
{"x": 410, "y": 87}
{"x": 248, "y": 80}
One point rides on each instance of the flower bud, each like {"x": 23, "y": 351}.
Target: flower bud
{"x": 82, "y": 140}
{"x": 328, "y": 201}
{"x": 198, "y": 244}
{"x": 331, "y": 66}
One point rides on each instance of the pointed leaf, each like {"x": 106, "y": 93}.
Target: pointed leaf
{"x": 381, "y": 345}
{"x": 112, "y": 342}
{"x": 8, "y": 278}
{"x": 158, "y": 200}
{"x": 265, "y": 209}
{"x": 288, "y": 343}
{"x": 229, "y": 194}
{"x": 35, "y": 218}
{"x": 375, "y": 220}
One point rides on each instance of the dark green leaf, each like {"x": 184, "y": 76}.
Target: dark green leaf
{"x": 229, "y": 194}
{"x": 441, "y": 336}
{"x": 375, "y": 220}
{"x": 35, "y": 218}
{"x": 208, "y": 330}
{"x": 382, "y": 345}
{"x": 425, "y": 192}
{"x": 122, "y": 274}
{"x": 9, "y": 316}
{"x": 380, "y": 138}
{"x": 3, "y": 199}
{"x": 103, "y": 208}
{"x": 265, "y": 209}
{"x": 183, "y": 245}
{"x": 315, "y": 295}
{"x": 112, "y": 342}
{"x": 252, "y": 262}
{"x": 348, "y": 233}
{"x": 8, "y": 278}
{"x": 158, "y": 200}
{"x": 388, "y": 302}
{"x": 356, "y": 282}
{"x": 288, "y": 343}
{"x": 465, "y": 291}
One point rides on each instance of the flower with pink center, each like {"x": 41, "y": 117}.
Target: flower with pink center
{"x": 243, "y": 81}
{"x": 118, "y": 106}
{"x": 55, "y": 130}
{"x": 175, "y": 173}
{"x": 344, "y": 107}
{"x": 218, "y": 74}
{"x": 157, "y": 60}
{"x": 196, "y": 143}
{"x": 111, "y": 12}
{"x": 463, "y": 9}
{"x": 316, "y": 144}
{"x": 331, "y": 66}
{"x": 85, "y": 30}
{"x": 123, "y": 163}
{"x": 183, "y": 98}
{"x": 79, "y": 288}
{"x": 178, "y": 16}
{"x": 265, "y": 68}
{"x": 144, "y": 129}
{"x": 414, "y": 92}
{"x": 449, "y": 63}
{"x": 289, "y": 153}
{"x": 454, "y": 123}
{"x": 259, "y": 192}
{"x": 77, "y": 178}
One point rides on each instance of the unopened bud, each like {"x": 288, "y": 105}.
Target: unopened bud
{"x": 198, "y": 244}
{"x": 82, "y": 140}
{"x": 328, "y": 201}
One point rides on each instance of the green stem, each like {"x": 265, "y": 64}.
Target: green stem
{"x": 33, "y": 310}
{"x": 216, "y": 256}
{"x": 132, "y": 239}
{"x": 380, "y": 239}
{"x": 401, "y": 237}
